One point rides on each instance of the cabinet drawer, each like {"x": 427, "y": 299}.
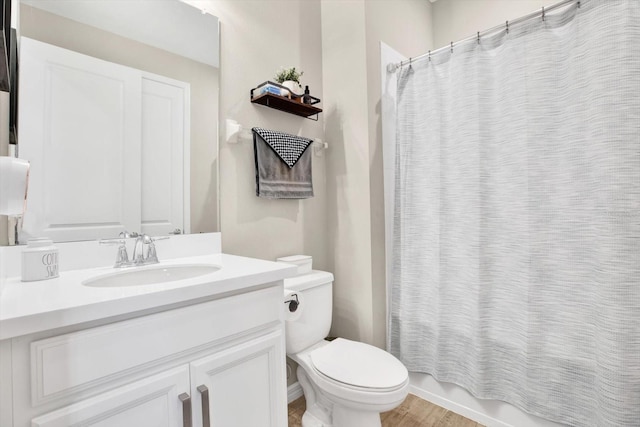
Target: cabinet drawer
{"x": 68, "y": 363}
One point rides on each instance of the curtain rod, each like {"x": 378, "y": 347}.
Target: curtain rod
{"x": 392, "y": 68}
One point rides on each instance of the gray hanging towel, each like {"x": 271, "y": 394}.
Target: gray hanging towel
{"x": 283, "y": 165}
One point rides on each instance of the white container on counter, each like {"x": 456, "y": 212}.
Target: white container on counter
{"x": 39, "y": 260}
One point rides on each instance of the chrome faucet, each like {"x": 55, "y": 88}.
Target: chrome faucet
{"x": 139, "y": 257}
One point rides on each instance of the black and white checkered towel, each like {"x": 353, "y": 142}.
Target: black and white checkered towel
{"x": 283, "y": 165}
{"x": 288, "y": 147}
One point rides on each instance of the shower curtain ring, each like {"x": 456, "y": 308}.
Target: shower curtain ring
{"x": 478, "y": 37}
{"x": 410, "y": 67}
{"x": 542, "y": 13}
{"x": 451, "y": 47}
{"x": 429, "y": 56}
{"x": 507, "y": 27}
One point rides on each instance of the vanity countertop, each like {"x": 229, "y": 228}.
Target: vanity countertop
{"x": 29, "y": 307}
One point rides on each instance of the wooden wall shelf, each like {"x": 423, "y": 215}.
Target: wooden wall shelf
{"x": 287, "y": 105}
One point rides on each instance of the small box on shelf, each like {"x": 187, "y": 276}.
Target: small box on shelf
{"x": 273, "y": 88}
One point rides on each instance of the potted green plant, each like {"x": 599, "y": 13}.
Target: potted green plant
{"x": 290, "y": 78}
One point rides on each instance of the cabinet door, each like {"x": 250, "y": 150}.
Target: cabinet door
{"x": 243, "y": 386}
{"x": 155, "y": 401}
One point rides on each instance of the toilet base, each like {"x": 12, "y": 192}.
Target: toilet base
{"x": 318, "y": 412}
{"x": 309, "y": 420}
{"x": 321, "y": 412}
{"x": 343, "y": 417}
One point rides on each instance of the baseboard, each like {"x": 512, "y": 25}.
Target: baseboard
{"x": 294, "y": 391}
{"x": 457, "y": 408}
{"x": 491, "y": 413}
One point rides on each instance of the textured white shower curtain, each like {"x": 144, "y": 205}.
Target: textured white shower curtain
{"x": 516, "y": 264}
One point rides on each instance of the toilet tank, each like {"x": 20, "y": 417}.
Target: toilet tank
{"x": 315, "y": 289}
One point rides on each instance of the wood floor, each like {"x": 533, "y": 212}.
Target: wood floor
{"x": 414, "y": 412}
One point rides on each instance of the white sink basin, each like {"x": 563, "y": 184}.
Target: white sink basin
{"x": 155, "y": 274}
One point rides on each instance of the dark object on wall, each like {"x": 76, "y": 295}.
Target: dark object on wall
{"x": 5, "y": 46}
{"x": 307, "y": 96}
{"x": 13, "y": 81}
{"x": 9, "y": 68}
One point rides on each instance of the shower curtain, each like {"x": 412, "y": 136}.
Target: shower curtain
{"x": 516, "y": 253}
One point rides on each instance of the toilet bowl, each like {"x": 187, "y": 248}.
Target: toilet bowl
{"x": 345, "y": 383}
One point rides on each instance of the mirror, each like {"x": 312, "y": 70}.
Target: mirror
{"x": 154, "y": 167}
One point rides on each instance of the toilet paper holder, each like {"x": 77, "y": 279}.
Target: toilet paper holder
{"x": 293, "y": 303}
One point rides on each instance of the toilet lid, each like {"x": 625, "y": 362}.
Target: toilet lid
{"x": 359, "y": 364}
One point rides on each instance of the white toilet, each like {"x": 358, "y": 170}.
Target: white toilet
{"x": 345, "y": 383}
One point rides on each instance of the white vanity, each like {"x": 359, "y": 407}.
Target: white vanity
{"x": 201, "y": 351}
{"x": 106, "y": 119}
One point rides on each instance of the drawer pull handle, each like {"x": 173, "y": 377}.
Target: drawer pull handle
{"x": 186, "y": 409}
{"x": 204, "y": 393}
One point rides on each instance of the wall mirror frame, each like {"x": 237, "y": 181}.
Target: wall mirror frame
{"x": 117, "y": 113}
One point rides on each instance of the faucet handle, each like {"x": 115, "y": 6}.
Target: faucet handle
{"x": 126, "y": 235}
{"x": 122, "y": 258}
{"x": 111, "y": 242}
{"x": 152, "y": 255}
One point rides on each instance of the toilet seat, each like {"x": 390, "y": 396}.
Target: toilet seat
{"x": 359, "y": 366}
